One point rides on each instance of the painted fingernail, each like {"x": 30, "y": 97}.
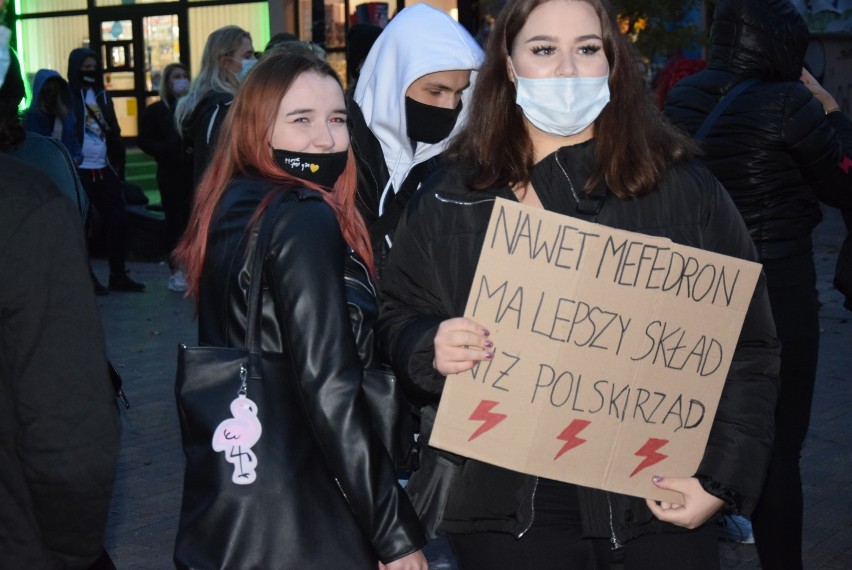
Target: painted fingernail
{"x": 489, "y": 355}
{"x": 657, "y": 479}
{"x": 485, "y": 332}
{"x": 488, "y": 344}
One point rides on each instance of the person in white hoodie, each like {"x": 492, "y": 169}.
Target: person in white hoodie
{"x": 408, "y": 103}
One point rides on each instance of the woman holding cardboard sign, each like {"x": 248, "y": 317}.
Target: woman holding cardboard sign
{"x": 560, "y": 120}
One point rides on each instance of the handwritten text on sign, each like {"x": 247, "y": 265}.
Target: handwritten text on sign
{"x": 612, "y": 348}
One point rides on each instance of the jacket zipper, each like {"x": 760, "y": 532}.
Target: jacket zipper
{"x": 613, "y": 539}
{"x": 532, "y": 510}
{"x": 350, "y": 279}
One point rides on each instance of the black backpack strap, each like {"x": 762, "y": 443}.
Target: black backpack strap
{"x": 721, "y": 106}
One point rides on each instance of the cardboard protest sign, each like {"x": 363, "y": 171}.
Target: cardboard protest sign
{"x": 612, "y": 348}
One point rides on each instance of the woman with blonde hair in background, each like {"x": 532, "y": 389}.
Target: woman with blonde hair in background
{"x": 227, "y": 58}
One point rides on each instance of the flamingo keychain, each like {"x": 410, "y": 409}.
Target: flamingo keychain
{"x": 236, "y": 436}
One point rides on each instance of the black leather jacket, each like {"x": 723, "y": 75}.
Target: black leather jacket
{"x": 305, "y": 314}
{"x": 774, "y": 149}
{"x": 428, "y": 278}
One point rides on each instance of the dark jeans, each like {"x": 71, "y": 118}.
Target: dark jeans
{"x": 777, "y": 520}
{"x": 554, "y": 542}
{"x": 176, "y": 198}
{"x": 689, "y": 550}
{"x": 106, "y": 195}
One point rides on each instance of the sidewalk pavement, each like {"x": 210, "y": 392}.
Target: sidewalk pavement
{"x": 144, "y": 329}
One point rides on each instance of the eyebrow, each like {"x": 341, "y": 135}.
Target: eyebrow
{"x": 307, "y": 110}
{"x": 442, "y": 87}
{"x": 555, "y": 39}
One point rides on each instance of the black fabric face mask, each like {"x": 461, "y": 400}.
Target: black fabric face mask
{"x": 89, "y": 76}
{"x": 320, "y": 168}
{"x": 427, "y": 123}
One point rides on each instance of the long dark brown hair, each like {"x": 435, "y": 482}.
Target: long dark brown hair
{"x": 634, "y": 142}
{"x": 243, "y": 149}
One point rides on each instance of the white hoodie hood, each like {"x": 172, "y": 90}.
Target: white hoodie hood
{"x": 418, "y": 41}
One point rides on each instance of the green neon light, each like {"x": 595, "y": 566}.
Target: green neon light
{"x": 264, "y": 18}
{"x": 20, "y": 53}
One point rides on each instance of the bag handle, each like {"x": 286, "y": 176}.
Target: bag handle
{"x": 264, "y": 236}
{"x": 721, "y": 106}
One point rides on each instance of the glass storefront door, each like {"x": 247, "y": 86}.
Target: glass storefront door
{"x": 134, "y": 51}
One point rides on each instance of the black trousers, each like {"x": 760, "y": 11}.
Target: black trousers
{"x": 106, "y": 195}
{"x": 777, "y": 521}
{"x": 555, "y": 542}
{"x": 175, "y": 187}
{"x": 688, "y": 550}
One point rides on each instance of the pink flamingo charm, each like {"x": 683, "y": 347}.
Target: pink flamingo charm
{"x": 235, "y": 436}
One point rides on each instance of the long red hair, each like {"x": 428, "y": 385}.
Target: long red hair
{"x": 243, "y": 149}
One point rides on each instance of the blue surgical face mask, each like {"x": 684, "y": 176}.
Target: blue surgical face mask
{"x": 247, "y": 65}
{"x": 180, "y": 86}
{"x": 562, "y": 106}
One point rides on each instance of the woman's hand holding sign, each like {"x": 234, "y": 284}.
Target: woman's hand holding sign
{"x": 460, "y": 344}
{"x": 698, "y": 505}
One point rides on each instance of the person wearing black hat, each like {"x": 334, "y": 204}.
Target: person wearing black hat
{"x": 359, "y": 40}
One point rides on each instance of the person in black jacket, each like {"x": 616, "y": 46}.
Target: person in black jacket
{"x": 227, "y": 57}
{"x": 286, "y": 142}
{"x": 102, "y": 168}
{"x": 408, "y": 103}
{"x": 560, "y": 119}
{"x": 779, "y": 148}
{"x": 159, "y": 137}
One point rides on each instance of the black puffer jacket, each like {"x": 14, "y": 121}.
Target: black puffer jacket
{"x": 429, "y": 275}
{"x": 305, "y": 315}
{"x": 773, "y": 148}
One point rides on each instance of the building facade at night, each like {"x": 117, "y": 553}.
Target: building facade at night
{"x": 136, "y": 39}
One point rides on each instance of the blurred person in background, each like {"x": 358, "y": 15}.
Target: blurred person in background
{"x": 226, "y": 60}
{"x": 59, "y": 427}
{"x": 50, "y": 115}
{"x": 780, "y": 147}
{"x": 102, "y": 167}
{"x": 159, "y": 137}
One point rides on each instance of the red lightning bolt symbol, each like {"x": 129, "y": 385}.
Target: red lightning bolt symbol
{"x": 846, "y": 164}
{"x": 649, "y": 452}
{"x": 569, "y": 436}
{"x": 489, "y": 420}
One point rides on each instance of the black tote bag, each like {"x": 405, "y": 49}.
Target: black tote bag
{"x": 293, "y": 515}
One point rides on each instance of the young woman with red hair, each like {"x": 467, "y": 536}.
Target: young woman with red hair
{"x": 285, "y": 146}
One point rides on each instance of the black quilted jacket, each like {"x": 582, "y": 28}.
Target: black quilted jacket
{"x": 774, "y": 149}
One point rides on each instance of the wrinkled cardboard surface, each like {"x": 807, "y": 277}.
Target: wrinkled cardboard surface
{"x": 612, "y": 349}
